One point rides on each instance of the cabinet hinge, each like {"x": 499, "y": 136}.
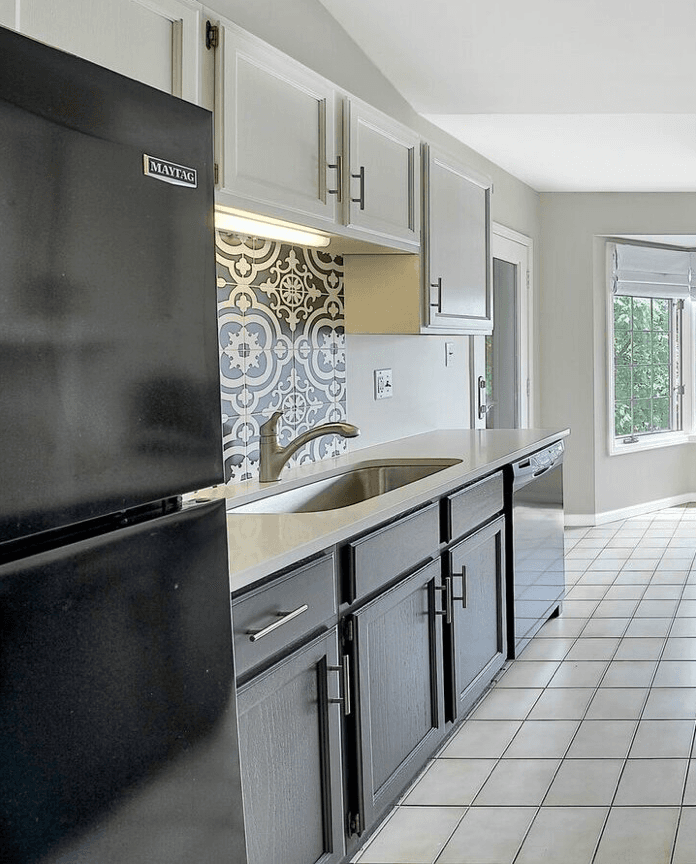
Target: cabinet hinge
{"x": 216, "y": 173}
{"x": 527, "y": 280}
{"x": 354, "y": 823}
{"x": 529, "y": 388}
{"x": 212, "y": 35}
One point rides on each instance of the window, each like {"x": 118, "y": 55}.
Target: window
{"x": 649, "y": 287}
{"x": 646, "y": 374}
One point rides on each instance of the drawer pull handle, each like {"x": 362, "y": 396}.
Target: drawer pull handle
{"x": 344, "y": 669}
{"x": 283, "y": 618}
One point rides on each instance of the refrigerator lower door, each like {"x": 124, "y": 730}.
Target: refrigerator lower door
{"x": 118, "y": 725}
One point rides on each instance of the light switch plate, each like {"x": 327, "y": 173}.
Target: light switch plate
{"x": 449, "y": 353}
{"x": 383, "y": 383}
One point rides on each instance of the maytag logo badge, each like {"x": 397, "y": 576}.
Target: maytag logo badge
{"x": 170, "y": 172}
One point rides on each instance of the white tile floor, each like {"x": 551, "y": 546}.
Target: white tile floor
{"x": 583, "y": 750}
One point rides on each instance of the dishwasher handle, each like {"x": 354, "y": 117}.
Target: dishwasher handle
{"x": 537, "y": 464}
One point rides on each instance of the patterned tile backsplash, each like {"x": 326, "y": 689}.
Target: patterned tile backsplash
{"x": 282, "y": 347}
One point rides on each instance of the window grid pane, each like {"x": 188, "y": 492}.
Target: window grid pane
{"x": 645, "y": 343}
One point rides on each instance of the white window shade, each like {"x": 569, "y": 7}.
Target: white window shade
{"x": 647, "y": 271}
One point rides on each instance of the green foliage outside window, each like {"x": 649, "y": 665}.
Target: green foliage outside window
{"x": 642, "y": 363}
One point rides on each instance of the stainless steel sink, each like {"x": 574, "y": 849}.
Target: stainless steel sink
{"x": 363, "y": 482}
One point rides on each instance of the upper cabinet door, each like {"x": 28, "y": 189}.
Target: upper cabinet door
{"x": 153, "y": 41}
{"x": 383, "y": 175}
{"x": 8, "y": 14}
{"x": 278, "y": 134}
{"x": 457, "y": 246}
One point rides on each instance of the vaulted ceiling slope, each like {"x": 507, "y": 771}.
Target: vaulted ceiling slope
{"x": 590, "y": 95}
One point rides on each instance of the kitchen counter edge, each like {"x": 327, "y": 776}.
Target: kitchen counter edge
{"x": 264, "y": 543}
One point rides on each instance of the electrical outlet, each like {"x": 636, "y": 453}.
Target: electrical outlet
{"x": 383, "y": 383}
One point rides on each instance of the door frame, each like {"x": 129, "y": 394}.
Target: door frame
{"x": 525, "y": 334}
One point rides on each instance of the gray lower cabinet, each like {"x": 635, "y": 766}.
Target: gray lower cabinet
{"x": 333, "y": 731}
{"x": 475, "y": 627}
{"x": 290, "y": 738}
{"x": 397, "y": 719}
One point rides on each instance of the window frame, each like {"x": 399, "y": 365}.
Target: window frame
{"x": 650, "y": 440}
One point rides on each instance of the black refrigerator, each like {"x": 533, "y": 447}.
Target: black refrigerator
{"x": 118, "y": 731}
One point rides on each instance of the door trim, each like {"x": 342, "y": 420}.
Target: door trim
{"x": 525, "y": 324}
{"x": 525, "y": 337}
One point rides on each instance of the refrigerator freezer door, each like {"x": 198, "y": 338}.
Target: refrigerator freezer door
{"x": 108, "y": 340}
{"x": 118, "y": 729}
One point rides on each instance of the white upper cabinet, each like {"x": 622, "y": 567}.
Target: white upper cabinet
{"x": 7, "y": 14}
{"x": 456, "y": 246}
{"x": 291, "y": 145}
{"x": 383, "y": 183}
{"x": 447, "y": 289}
{"x": 154, "y": 41}
{"x": 277, "y": 147}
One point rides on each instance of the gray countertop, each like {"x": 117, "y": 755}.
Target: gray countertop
{"x": 262, "y": 543}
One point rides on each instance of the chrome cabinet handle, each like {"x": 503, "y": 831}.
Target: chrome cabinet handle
{"x": 361, "y": 177}
{"x": 338, "y": 165}
{"x": 283, "y": 618}
{"x": 344, "y": 699}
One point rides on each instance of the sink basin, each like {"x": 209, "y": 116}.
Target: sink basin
{"x": 358, "y": 484}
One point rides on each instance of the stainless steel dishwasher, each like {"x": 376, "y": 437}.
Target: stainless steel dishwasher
{"x": 536, "y": 579}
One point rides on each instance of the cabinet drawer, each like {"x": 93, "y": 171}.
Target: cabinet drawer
{"x": 267, "y": 620}
{"x": 379, "y": 557}
{"x": 473, "y": 505}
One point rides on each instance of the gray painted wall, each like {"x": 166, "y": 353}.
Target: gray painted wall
{"x": 572, "y": 351}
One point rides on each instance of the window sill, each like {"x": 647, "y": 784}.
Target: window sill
{"x": 654, "y": 442}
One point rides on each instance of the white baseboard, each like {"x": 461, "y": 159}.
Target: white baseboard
{"x": 581, "y": 520}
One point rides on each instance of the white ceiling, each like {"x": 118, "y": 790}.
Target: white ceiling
{"x": 591, "y": 95}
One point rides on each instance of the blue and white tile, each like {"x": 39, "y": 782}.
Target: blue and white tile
{"x": 282, "y": 347}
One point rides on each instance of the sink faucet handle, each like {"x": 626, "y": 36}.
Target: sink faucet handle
{"x": 269, "y": 429}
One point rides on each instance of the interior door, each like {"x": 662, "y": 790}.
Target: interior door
{"x": 500, "y": 363}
